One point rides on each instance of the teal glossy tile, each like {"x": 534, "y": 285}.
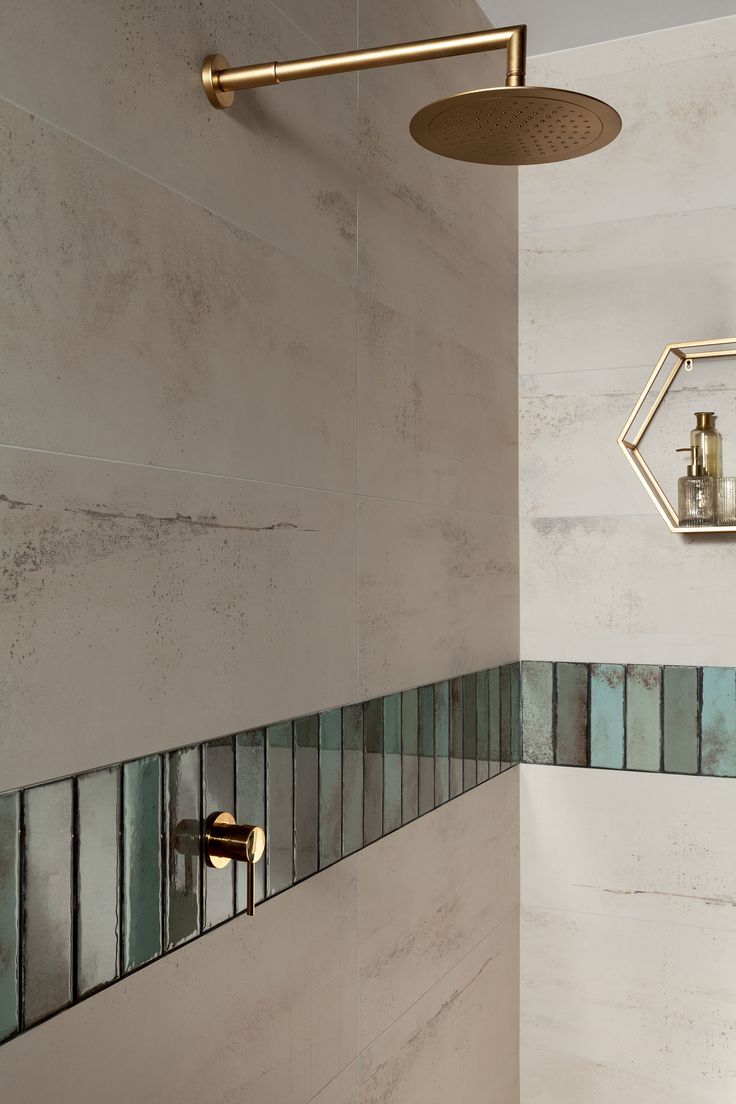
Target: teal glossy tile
{"x": 606, "y": 715}
{"x": 218, "y": 767}
{"x": 681, "y": 720}
{"x": 718, "y": 722}
{"x": 279, "y": 807}
{"x": 482, "y": 723}
{"x": 643, "y": 717}
{"x": 183, "y": 789}
{"x": 352, "y": 779}
{"x": 456, "y": 737}
{"x": 441, "y": 742}
{"x": 9, "y": 912}
{"x": 250, "y": 806}
{"x": 47, "y": 901}
{"x": 494, "y": 721}
{"x": 515, "y": 733}
{"x": 330, "y": 787}
{"x": 537, "y": 711}
{"x": 470, "y": 737}
{"x": 98, "y": 879}
{"x": 141, "y": 861}
{"x": 506, "y": 694}
{"x": 426, "y": 749}
{"x": 373, "y": 770}
{"x": 391, "y": 762}
{"x": 306, "y": 796}
{"x": 409, "y": 756}
{"x": 572, "y": 715}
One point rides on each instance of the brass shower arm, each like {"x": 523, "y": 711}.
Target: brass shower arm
{"x": 221, "y": 81}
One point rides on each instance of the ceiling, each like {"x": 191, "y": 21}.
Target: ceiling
{"x": 560, "y": 24}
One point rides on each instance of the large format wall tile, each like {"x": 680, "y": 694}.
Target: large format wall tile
{"x": 140, "y": 606}
{"x": 437, "y": 592}
{"x": 428, "y": 893}
{"x": 242, "y": 367}
{"x": 280, "y": 163}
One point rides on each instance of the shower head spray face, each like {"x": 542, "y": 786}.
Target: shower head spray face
{"x": 515, "y": 126}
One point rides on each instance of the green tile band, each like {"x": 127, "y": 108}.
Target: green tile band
{"x": 607, "y": 715}
{"x": 571, "y": 715}
{"x": 537, "y": 704}
{"x": 643, "y": 717}
{"x": 9, "y": 912}
{"x": 680, "y": 710}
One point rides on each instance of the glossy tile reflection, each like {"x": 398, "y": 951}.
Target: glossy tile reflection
{"x": 470, "y": 742}
{"x": 494, "y": 721}
{"x": 219, "y": 797}
{"x": 352, "y": 779}
{"x": 426, "y": 749}
{"x": 279, "y": 807}
{"x": 98, "y": 878}
{"x": 373, "y": 770}
{"x": 47, "y": 892}
{"x": 409, "y": 756}
{"x": 250, "y": 805}
{"x": 306, "y": 782}
{"x": 441, "y": 742}
{"x": 482, "y": 724}
{"x": 141, "y": 861}
{"x": 330, "y": 787}
{"x": 456, "y": 737}
{"x": 9, "y": 912}
{"x": 391, "y": 762}
{"x": 183, "y": 845}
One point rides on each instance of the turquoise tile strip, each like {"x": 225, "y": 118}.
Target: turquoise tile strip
{"x": 102, "y": 873}
{"x": 718, "y": 721}
{"x": 607, "y": 715}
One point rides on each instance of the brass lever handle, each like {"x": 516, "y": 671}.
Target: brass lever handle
{"x": 225, "y": 840}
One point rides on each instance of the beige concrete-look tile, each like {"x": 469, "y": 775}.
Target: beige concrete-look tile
{"x": 343, "y": 1090}
{"x": 668, "y": 860}
{"x": 458, "y": 1039}
{"x": 437, "y": 423}
{"x": 668, "y": 111}
{"x": 607, "y": 589}
{"x": 614, "y": 294}
{"x": 261, "y": 1009}
{"x": 145, "y": 609}
{"x": 123, "y": 339}
{"x": 280, "y": 162}
{"x": 333, "y": 25}
{"x": 429, "y": 892}
{"x": 557, "y": 1078}
{"x": 648, "y": 1001}
{"x": 437, "y": 593}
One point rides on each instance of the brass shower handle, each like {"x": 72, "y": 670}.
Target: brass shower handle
{"x": 225, "y": 840}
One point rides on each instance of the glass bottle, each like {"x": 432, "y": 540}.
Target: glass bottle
{"x": 696, "y": 493}
{"x": 706, "y": 438}
{"x": 726, "y": 500}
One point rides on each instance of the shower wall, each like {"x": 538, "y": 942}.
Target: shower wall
{"x": 259, "y": 444}
{"x": 628, "y": 954}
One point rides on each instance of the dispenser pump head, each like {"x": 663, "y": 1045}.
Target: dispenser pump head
{"x": 695, "y": 468}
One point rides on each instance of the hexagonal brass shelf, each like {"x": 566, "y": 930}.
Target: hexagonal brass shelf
{"x": 685, "y": 352}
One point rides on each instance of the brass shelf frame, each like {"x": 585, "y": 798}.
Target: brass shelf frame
{"x": 221, "y": 80}
{"x": 685, "y": 352}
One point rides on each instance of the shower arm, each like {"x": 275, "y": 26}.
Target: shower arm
{"x": 221, "y": 81}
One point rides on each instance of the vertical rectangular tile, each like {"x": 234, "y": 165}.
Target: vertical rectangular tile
{"x": 441, "y": 742}
{"x": 409, "y": 756}
{"x": 572, "y": 715}
{"x": 537, "y": 724}
{"x": 482, "y": 725}
{"x": 470, "y": 738}
{"x": 352, "y": 779}
{"x": 98, "y": 879}
{"x": 330, "y": 787}
{"x": 607, "y": 715}
{"x": 718, "y": 722}
{"x": 391, "y": 762}
{"x": 47, "y": 901}
{"x": 456, "y": 737}
{"x": 306, "y": 798}
{"x": 505, "y": 691}
{"x": 373, "y": 770}
{"x": 141, "y": 861}
{"x": 183, "y": 789}
{"x": 681, "y": 720}
{"x": 9, "y": 912}
{"x": 279, "y": 807}
{"x": 426, "y": 749}
{"x": 250, "y": 806}
{"x": 218, "y": 766}
{"x": 515, "y": 732}
{"x": 494, "y": 721}
{"x": 643, "y": 717}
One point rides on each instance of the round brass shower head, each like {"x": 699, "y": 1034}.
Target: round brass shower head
{"x": 515, "y": 126}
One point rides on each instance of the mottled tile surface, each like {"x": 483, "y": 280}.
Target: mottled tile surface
{"x": 98, "y": 879}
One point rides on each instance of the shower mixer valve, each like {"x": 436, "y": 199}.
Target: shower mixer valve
{"x": 225, "y": 840}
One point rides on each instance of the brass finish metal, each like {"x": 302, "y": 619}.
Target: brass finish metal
{"x": 218, "y": 77}
{"x": 225, "y": 840}
{"x": 515, "y": 126}
{"x": 685, "y": 353}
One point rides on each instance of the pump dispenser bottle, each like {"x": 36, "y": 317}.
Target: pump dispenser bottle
{"x": 697, "y": 490}
{"x": 708, "y": 440}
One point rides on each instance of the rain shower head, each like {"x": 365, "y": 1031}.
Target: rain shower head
{"x": 513, "y": 125}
